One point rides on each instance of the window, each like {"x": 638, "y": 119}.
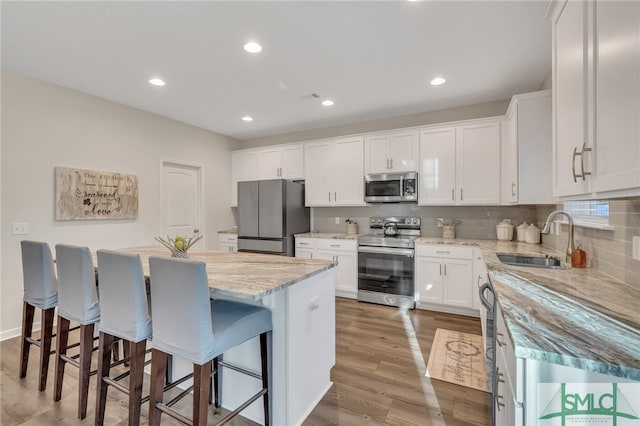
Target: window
{"x": 590, "y": 214}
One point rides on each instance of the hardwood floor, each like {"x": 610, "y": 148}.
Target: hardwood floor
{"x": 381, "y": 357}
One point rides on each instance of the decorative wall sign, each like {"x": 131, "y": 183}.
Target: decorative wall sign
{"x": 90, "y": 194}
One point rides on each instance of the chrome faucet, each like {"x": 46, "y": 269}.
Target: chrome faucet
{"x": 547, "y": 229}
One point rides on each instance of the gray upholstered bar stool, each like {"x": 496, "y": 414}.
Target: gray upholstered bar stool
{"x": 124, "y": 313}
{"x": 40, "y": 291}
{"x": 78, "y": 302}
{"x": 188, "y": 324}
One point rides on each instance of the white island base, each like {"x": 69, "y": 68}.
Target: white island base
{"x": 303, "y": 348}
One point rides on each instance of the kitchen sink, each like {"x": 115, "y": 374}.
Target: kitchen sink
{"x": 532, "y": 261}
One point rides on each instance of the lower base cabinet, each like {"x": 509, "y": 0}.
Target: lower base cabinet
{"x": 444, "y": 278}
{"x": 228, "y": 242}
{"x": 341, "y": 251}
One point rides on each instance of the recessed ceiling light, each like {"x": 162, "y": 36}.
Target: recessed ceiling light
{"x": 157, "y": 82}
{"x": 327, "y": 102}
{"x": 253, "y": 47}
{"x": 437, "y": 81}
{"x": 247, "y": 118}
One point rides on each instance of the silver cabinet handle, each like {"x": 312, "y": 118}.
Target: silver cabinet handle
{"x": 441, "y": 269}
{"x": 443, "y": 252}
{"x": 461, "y": 194}
{"x": 584, "y": 149}
{"x": 329, "y": 196}
{"x": 335, "y": 197}
{"x": 499, "y": 397}
{"x": 513, "y": 189}
{"x": 501, "y": 344}
{"x": 453, "y": 194}
{"x": 334, "y": 245}
{"x": 445, "y": 269}
{"x": 573, "y": 164}
{"x": 391, "y": 162}
{"x": 303, "y": 244}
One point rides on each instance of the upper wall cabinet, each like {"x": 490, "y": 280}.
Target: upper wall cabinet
{"x": 244, "y": 166}
{"x": 460, "y": 165}
{"x": 281, "y": 162}
{"x": 526, "y": 150}
{"x": 596, "y": 98}
{"x": 334, "y": 172}
{"x": 391, "y": 152}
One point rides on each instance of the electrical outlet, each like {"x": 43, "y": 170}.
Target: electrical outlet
{"x": 337, "y": 220}
{"x": 636, "y": 248}
{"x": 439, "y": 222}
{"x": 19, "y": 228}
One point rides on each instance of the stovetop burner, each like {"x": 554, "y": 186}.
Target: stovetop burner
{"x": 407, "y": 229}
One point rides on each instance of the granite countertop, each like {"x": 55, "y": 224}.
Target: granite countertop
{"x": 229, "y": 231}
{"x": 248, "y": 276}
{"x": 328, "y": 235}
{"x": 575, "y": 317}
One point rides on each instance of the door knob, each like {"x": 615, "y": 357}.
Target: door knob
{"x": 196, "y": 231}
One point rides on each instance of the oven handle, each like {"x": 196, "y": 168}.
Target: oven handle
{"x": 386, "y": 250}
{"x": 483, "y": 299}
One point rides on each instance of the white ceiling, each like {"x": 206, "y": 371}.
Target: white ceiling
{"x": 374, "y": 59}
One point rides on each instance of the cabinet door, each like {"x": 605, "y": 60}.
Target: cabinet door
{"x": 617, "y": 109}
{"x": 269, "y": 163}
{"x": 429, "y": 279}
{"x": 304, "y": 253}
{"x": 569, "y": 98}
{"x": 437, "y": 172}
{"x": 228, "y": 247}
{"x": 509, "y": 143}
{"x": 318, "y": 176}
{"x": 403, "y": 152}
{"x": 458, "y": 282}
{"x": 251, "y": 166}
{"x": 292, "y": 162}
{"x": 347, "y": 272}
{"x": 478, "y": 163}
{"x": 348, "y": 172}
{"x": 376, "y": 154}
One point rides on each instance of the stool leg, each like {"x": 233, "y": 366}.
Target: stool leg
{"x": 136, "y": 377}
{"x": 27, "y": 325}
{"x": 213, "y": 391}
{"x": 201, "y": 383}
{"x": 217, "y": 382}
{"x": 46, "y": 334}
{"x": 265, "y": 359}
{"x": 104, "y": 366}
{"x": 61, "y": 349}
{"x": 158, "y": 371}
{"x": 86, "y": 349}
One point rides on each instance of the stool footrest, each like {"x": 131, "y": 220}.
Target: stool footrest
{"x": 239, "y": 369}
{"x": 169, "y": 411}
{"x": 237, "y": 411}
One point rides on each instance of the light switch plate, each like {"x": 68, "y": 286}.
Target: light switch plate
{"x": 337, "y": 220}
{"x": 19, "y": 228}
{"x": 636, "y": 248}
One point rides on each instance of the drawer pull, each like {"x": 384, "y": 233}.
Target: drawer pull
{"x": 334, "y": 245}
{"x": 501, "y": 344}
{"x": 443, "y": 252}
{"x": 498, "y": 403}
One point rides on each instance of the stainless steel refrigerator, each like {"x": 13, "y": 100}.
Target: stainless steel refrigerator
{"x": 270, "y": 212}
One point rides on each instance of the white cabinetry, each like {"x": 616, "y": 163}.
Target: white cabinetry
{"x": 281, "y": 162}
{"x": 460, "y": 165}
{"x": 444, "y": 278}
{"x": 526, "y": 150}
{"x": 228, "y": 242}
{"x": 508, "y": 392}
{"x": 334, "y": 172}
{"x": 596, "y": 98}
{"x": 341, "y": 251}
{"x": 391, "y": 152}
{"x": 244, "y": 166}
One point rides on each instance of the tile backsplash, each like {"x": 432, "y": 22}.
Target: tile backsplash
{"x": 609, "y": 251}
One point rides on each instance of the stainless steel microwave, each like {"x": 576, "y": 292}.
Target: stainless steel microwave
{"x": 391, "y": 187}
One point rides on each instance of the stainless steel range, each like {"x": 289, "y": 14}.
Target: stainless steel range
{"x": 386, "y": 268}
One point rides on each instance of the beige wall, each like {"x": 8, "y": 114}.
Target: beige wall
{"x": 608, "y": 251}
{"x": 44, "y": 126}
{"x": 488, "y": 109}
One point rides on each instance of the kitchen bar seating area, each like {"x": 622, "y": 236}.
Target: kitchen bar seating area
{"x": 192, "y": 313}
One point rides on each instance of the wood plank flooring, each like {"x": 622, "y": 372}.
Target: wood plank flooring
{"x": 381, "y": 357}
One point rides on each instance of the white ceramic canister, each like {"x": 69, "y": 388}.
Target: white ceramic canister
{"x": 504, "y": 230}
{"x": 522, "y": 230}
{"x": 533, "y": 234}
{"x": 448, "y": 231}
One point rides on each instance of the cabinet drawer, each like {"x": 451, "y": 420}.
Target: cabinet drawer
{"x": 504, "y": 344}
{"x": 305, "y": 242}
{"x": 444, "y": 251}
{"x": 336, "y": 244}
{"x": 228, "y": 238}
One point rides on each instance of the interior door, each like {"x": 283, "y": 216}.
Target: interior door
{"x": 181, "y": 190}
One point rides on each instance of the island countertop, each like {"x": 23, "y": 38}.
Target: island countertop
{"x": 249, "y": 276}
{"x": 575, "y": 317}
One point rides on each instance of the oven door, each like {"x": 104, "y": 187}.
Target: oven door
{"x": 386, "y": 270}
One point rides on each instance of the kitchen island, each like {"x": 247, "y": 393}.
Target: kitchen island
{"x": 301, "y": 296}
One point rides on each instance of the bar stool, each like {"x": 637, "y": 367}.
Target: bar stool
{"x": 78, "y": 302}
{"x": 194, "y": 327}
{"x": 40, "y": 291}
{"x": 124, "y": 313}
